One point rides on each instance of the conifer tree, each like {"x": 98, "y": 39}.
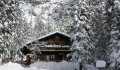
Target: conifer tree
{"x": 82, "y": 35}
{"x": 9, "y": 17}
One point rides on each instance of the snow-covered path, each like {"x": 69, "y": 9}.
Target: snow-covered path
{"x": 64, "y": 65}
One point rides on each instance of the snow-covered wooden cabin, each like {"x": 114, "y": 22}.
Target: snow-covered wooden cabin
{"x": 53, "y": 47}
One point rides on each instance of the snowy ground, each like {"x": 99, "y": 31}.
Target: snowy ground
{"x": 64, "y": 65}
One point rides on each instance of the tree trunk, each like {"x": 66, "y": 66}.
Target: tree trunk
{"x": 80, "y": 66}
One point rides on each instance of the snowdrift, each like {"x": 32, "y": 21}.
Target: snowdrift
{"x": 64, "y": 65}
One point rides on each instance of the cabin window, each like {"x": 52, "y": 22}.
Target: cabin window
{"x": 50, "y": 57}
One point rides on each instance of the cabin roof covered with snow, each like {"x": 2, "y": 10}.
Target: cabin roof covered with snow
{"x": 49, "y": 35}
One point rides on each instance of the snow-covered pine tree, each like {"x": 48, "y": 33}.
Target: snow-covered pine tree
{"x": 22, "y": 34}
{"x": 100, "y": 28}
{"x": 43, "y": 25}
{"x": 83, "y": 42}
{"x": 9, "y": 17}
{"x": 62, "y": 16}
{"x": 115, "y": 35}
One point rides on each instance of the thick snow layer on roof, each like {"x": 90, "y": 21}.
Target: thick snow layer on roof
{"x": 49, "y": 35}
{"x": 55, "y": 33}
{"x": 64, "y": 65}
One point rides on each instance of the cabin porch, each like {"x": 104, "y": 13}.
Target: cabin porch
{"x": 54, "y": 53}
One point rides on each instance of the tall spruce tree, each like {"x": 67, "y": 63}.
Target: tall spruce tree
{"x": 83, "y": 42}
{"x": 9, "y": 17}
{"x": 115, "y": 34}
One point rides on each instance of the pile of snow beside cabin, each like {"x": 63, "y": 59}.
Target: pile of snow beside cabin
{"x": 64, "y": 65}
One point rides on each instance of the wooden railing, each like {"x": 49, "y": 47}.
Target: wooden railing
{"x": 54, "y": 48}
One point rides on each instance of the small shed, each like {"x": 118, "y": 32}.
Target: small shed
{"x": 53, "y": 47}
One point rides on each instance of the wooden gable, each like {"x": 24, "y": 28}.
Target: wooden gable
{"x": 55, "y": 38}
